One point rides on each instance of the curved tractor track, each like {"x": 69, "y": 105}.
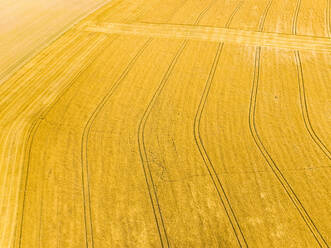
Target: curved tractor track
{"x": 178, "y": 123}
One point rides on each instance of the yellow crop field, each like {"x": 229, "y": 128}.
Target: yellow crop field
{"x": 178, "y": 123}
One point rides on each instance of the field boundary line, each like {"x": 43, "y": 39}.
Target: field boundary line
{"x": 9, "y": 72}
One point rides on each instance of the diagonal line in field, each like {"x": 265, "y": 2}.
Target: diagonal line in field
{"x": 213, "y": 34}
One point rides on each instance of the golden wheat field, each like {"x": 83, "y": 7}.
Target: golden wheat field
{"x": 165, "y": 123}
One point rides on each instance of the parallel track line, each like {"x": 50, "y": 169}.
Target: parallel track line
{"x": 84, "y": 147}
{"x": 254, "y": 132}
{"x": 304, "y": 108}
{"x": 277, "y": 172}
{"x": 141, "y": 140}
{"x": 32, "y": 133}
{"x": 203, "y": 152}
{"x": 302, "y": 93}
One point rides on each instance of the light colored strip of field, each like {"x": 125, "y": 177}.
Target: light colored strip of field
{"x": 27, "y": 27}
{"x": 250, "y": 38}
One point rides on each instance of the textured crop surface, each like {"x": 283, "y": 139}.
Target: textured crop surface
{"x": 165, "y": 123}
